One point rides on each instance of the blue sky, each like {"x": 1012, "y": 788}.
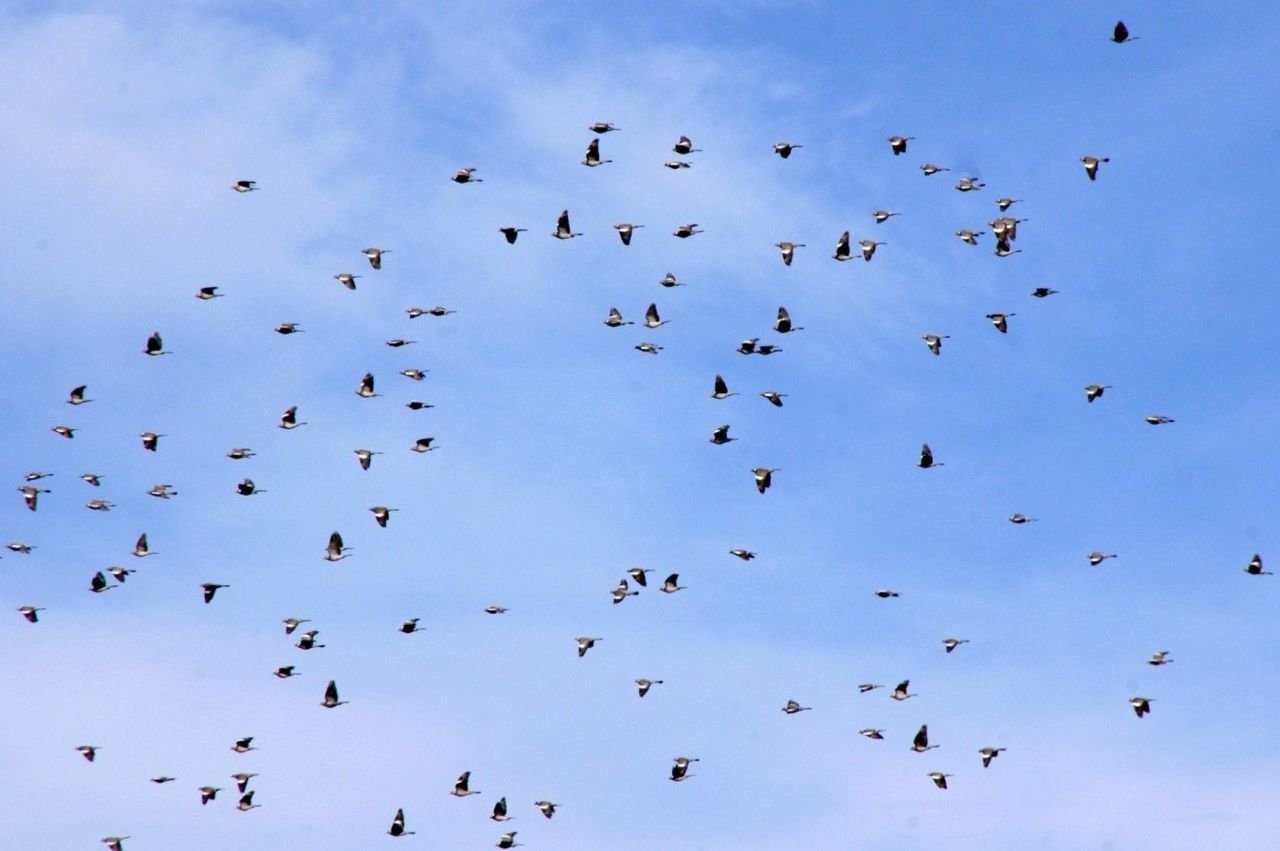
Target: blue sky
{"x": 566, "y": 457}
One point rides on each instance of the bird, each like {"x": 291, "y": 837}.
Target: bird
{"x": 335, "y": 551}
{"x": 548, "y": 809}
{"x": 211, "y": 588}
{"x": 1159, "y": 419}
{"x": 115, "y": 843}
{"x": 494, "y": 610}
{"x": 788, "y": 250}
{"x": 163, "y": 778}
{"x": 869, "y": 248}
{"x": 767, "y": 349}
{"x": 417, "y": 406}
{"x": 36, "y": 476}
{"x": 872, "y": 733}
{"x": 721, "y": 436}
{"x": 939, "y": 779}
{"x": 289, "y": 419}
{"x": 783, "y": 324}
{"x": 365, "y": 457}
{"x": 1120, "y": 34}
{"x": 602, "y": 127}
{"x": 242, "y": 778}
{"x": 465, "y": 175}
{"x": 792, "y": 707}
{"x": 1091, "y": 164}
{"x": 375, "y": 256}
{"x": 64, "y": 431}
{"x": 622, "y": 591}
{"x": 1160, "y": 658}
{"x": 1005, "y": 203}
{"x": 931, "y": 169}
{"x": 934, "y": 342}
{"x": 162, "y": 491}
{"x": 644, "y": 685}
{"x": 898, "y": 144}
{"x": 19, "y": 547}
{"x": 625, "y": 232}
{"x": 1096, "y": 558}
{"x": 593, "y": 155}
{"x": 680, "y": 771}
{"x": 686, "y": 230}
{"x": 331, "y": 696}
{"x": 511, "y": 233}
{"x": 243, "y": 745}
{"x": 669, "y": 280}
{"x": 89, "y": 752}
{"x": 676, "y": 165}
{"x": 1094, "y": 391}
{"x": 307, "y": 641}
{"x": 969, "y": 184}
{"x": 207, "y": 293}
{"x": 563, "y": 231}
{"x": 1254, "y": 568}
{"x": 764, "y": 478}
{"x": 141, "y": 548}
{"x": 500, "y": 811}
{"x": 1001, "y": 321}
{"x": 720, "y": 390}
{"x": 684, "y": 146}
{"x": 951, "y": 644}
{"x": 585, "y": 643}
{"x": 508, "y": 840}
{"x": 784, "y": 149}
{"x": 208, "y": 793}
{"x": 926, "y": 458}
{"x": 286, "y": 671}
{"x": 843, "y": 250}
{"x": 347, "y": 279}
{"x": 648, "y": 348}
{"x": 245, "y": 186}
{"x": 98, "y": 583}
{"x": 291, "y": 624}
{"x": 1020, "y": 519}
{"x": 1141, "y": 705}
{"x": 397, "y": 826}
{"x": 671, "y": 584}
{"x": 1004, "y": 249}
{"x": 246, "y": 803}
{"x": 638, "y": 574}
{"x": 119, "y": 574}
{"x": 286, "y": 328}
{"x": 882, "y": 216}
{"x": 747, "y": 347}
{"x": 239, "y": 453}
{"x": 410, "y": 626}
{"x": 422, "y": 444}
{"x": 989, "y": 754}
{"x": 76, "y": 396}
{"x": 413, "y": 374}
{"x": 150, "y": 440}
{"x": 900, "y": 691}
{"x": 381, "y": 514}
{"x": 245, "y": 488}
{"x": 774, "y": 398}
{"x": 462, "y": 786}
{"x": 399, "y": 342}
{"x": 31, "y": 613}
{"x": 98, "y": 505}
{"x": 651, "y": 318}
{"x": 920, "y": 743}
{"x": 1043, "y": 292}
{"x": 885, "y": 594}
{"x": 155, "y": 346}
{"x": 969, "y": 236}
{"x": 745, "y": 555}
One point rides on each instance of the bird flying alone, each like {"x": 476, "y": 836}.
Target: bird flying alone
{"x": 155, "y": 346}
{"x": 1091, "y": 164}
{"x": 245, "y": 186}
{"x": 397, "y": 825}
{"x": 643, "y": 685}
{"x": 934, "y": 342}
{"x": 1141, "y": 705}
{"x": 1120, "y": 33}
{"x": 211, "y": 588}
{"x": 585, "y": 643}
{"x": 926, "y": 458}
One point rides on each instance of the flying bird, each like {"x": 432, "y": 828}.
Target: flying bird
{"x": 934, "y": 342}
{"x": 1020, "y": 519}
{"x": 882, "y": 216}
{"x": 286, "y": 328}
{"x": 669, "y": 280}
{"x": 602, "y": 127}
{"x": 989, "y": 754}
{"x": 869, "y": 248}
{"x": 31, "y": 495}
{"x": 721, "y": 436}
{"x": 239, "y": 453}
{"x": 76, "y": 396}
{"x": 286, "y": 671}
{"x": 397, "y": 826}
{"x": 651, "y": 318}
{"x": 644, "y": 685}
{"x": 900, "y": 691}
{"x": 671, "y": 584}
{"x": 245, "y": 186}
{"x": 1120, "y": 34}
{"x": 335, "y": 551}
{"x": 969, "y": 184}
{"x": 115, "y": 843}
{"x": 64, "y": 431}
{"x": 208, "y": 793}
{"x": 1141, "y": 705}
{"x": 788, "y": 250}
{"x": 1094, "y": 391}
{"x": 680, "y": 771}
{"x": 375, "y": 256}
{"x": 155, "y": 346}
{"x": 423, "y": 444}
{"x": 562, "y": 231}
{"x": 1159, "y": 419}
{"x": 290, "y": 624}
{"x": 89, "y": 752}
{"x": 462, "y": 786}
{"x": 331, "y": 696}
{"x": 1096, "y": 558}
{"x": 792, "y": 707}
{"x": 410, "y": 626}
{"x": 347, "y": 279}
{"x": 547, "y": 808}
{"x": 926, "y": 458}
{"x": 783, "y": 324}
{"x": 365, "y": 457}
{"x": 593, "y": 155}
{"x": 508, "y": 840}
{"x": 246, "y": 803}
{"x": 98, "y": 505}
{"x": 872, "y": 733}
{"x": 243, "y": 745}
{"x": 500, "y": 811}
{"x": 413, "y": 374}
{"x": 775, "y": 399}
{"x": 686, "y": 230}
{"x": 939, "y": 779}
{"x": 98, "y": 583}
{"x": 784, "y": 149}
{"x": 31, "y": 613}
{"x": 511, "y": 233}
{"x": 638, "y": 574}
{"x": 721, "y": 389}
{"x": 747, "y": 347}
{"x": 676, "y": 165}
{"x": 625, "y": 232}
{"x": 969, "y": 236}
{"x": 1159, "y": 659}
{"x": 684, "y": 146}
{"x": 289, "y": 419}
{"x": 381, "y": 514}
{"x": 1001, "y": 321}
{"x": 863, "y": 688}
{"x": 211, "y": 588}
{"x": 745, "y": 555}
{"x": 764, "y": 478}
{"x": 931, "y": 169}
{"x": 843, "y": 250}
{"x": 920, "y": 743}
{"x": 150, "y": 440}
{"x": 307, "y": 641}
{"x": 898, "y": 144}
{"x": 465, "y": 175}
{"x": 1091, "y": 164}
{"x": 885, "y": 594}
{"x": 621, "y": 592}
{"x": 585, "y": 643}
{"x": 951, "y": 644}
{"x": 648, "y": 348}
{"x": 207, "y": 293}
{"x": 1254, "y": 568}
{"x": 1043, "y": 292}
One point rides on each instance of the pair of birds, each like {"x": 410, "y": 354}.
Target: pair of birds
{"x": 720, "y": 390}
{"x": 623, "y": 590}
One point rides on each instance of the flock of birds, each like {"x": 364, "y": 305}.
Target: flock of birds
{"x": 1004, "y": 229}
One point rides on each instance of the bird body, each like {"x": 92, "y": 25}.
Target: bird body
{"x": 331, "y": 696}
{"x": 374, "y": 255}
{"x": 934, "y": 342}
{"x": 788, "y": 250}
{"x": 920, "y": 743}
{"x": 784, "y": 149}
{"x": 585, "y": 643}
{"x": 336, "y": 550}
{"x": 563, "y": 230}
{"x": 644, "y": 685}
{"x": 1091, "y": 164}
{"x": 625, "y": 232}
{"x": 792, "y": 708}
{"x": 764, "y": 478}
{"x": 592, "y": 157}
